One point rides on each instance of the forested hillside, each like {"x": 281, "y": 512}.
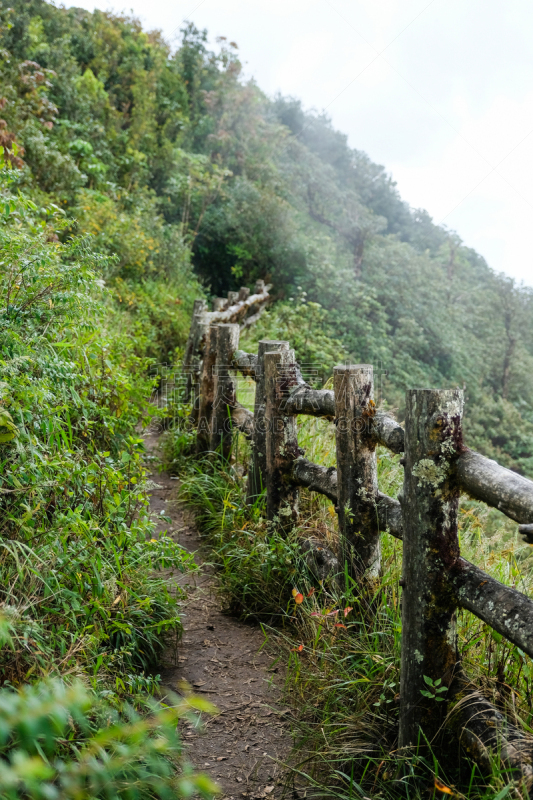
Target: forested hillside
{"x": 134, "y": 178}
{"x": 177, "y": 168}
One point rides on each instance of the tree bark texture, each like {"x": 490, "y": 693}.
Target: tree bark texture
{"x": 192, "y": 357}
{"x": 507, "y": 611}
{"x": 430, "y": 548}
{"x": 314, "y": 402}
{"x": 225, "y": 389}
{"x": 207, "y": 391}
{"x": 281, "y": 441}
{"x": 315, "y": 478}
{"x": 199, "y": 307}
{"x": 485, "y": 480}
{"x": 246, "y": 363}
{"x": 257, "y": 468}
{"x": 243, "y": 420}
{"x": 388, "y": 432}
{"x": 357, "y": 483}
{"x": 239, "y": 310}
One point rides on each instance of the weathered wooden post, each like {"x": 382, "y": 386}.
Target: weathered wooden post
{"x": 281, "y": 440}
{"x": 193, "y": 373}
{"x": 219, "y": 303}
{"x": 257, "y": 468}
{"x": 225, "y": 389}
{"x": 233, "y": 298}
{"x": 244, "y": 293}
{"x": 191, "y": 357}
{"x": 259, "y": 286}
{"x": 207, "y": 391}
{"x": 199, "y": 307}
{"x": 357, "y": 468}
{"x": 430, "y": 548}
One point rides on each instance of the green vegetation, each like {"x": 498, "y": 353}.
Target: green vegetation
{"x": 132, "y": 180}
{"x": 63, "y": 742}
{"x": 343, "y": 648}
{"x": 84, "y": 597}
{"x": 169, "y": 160}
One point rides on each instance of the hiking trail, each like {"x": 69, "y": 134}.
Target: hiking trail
{"x": 243, "y": 746}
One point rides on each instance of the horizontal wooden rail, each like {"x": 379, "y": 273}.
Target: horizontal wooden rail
{"x": 324, "y": 480}
{"x": 246, "y": 363}
{"x": 315, "y": 478}
{"x": 436, "y": 468}
{"x": 485, "y": 480}
{"x": 303, "y": 399}
{"x": 313, "y": 402}
{"x": 240, "y": 308}
{"x": 478, "y": 476}
{"x": 388, "y": 432}
{"x": 506, "y": 610}
{"x": 243, "y": 420}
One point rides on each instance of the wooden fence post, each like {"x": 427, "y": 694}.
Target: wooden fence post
{"x": 257, "y": 468}
{"x": 357, "y": 469}
{"x": 281, "y": 441}
{"x": 430, "y": 548}
{"x": 194, "y": 372}
{"x": 207, "y": 391}
{"x": 225, "y": 389}
{"x": 233, "y": 298}
{"x": 191, "y": 357}
{"x": 219, "y": 303}
{"x": 199, "y": 308}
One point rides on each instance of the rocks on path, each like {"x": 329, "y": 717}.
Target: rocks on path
{"x": 244, "y": 745}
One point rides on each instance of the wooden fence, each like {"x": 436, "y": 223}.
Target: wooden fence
{"x": 436, "y": 580}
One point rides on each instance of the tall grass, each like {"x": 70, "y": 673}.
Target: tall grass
{"x": 342, "y": 650}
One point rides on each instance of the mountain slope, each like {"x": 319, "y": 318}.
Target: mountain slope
{"x": 171, "y": 161}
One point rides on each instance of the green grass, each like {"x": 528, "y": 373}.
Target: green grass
{"x": 343, "y": 682}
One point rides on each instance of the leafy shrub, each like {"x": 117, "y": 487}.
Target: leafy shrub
{"x": 61, "y": 741}
{"x": 306, "y": 326}
{"x": 77, "y": 563}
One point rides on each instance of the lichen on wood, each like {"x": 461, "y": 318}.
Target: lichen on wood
{"x": 357, "y": 468}
{"x": 257, "y": 468}
{"x": 430, "y": 548}
{"x": 207, "y": 391}
{"x": 486, "y": 480}
{"x": 224, "y": 389}
{"x": 281, "y": 440}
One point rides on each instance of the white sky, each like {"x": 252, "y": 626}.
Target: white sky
{"x": 438, "y": 91}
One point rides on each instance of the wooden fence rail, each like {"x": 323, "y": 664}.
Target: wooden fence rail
{"x": 436, "y": 580}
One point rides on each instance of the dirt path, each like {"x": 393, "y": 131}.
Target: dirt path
{"x": 223, "y": 659}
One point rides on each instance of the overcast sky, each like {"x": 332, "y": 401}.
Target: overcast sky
{"x": 438, "y": 91}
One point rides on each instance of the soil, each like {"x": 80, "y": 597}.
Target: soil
{"x": 244, "y": 745}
